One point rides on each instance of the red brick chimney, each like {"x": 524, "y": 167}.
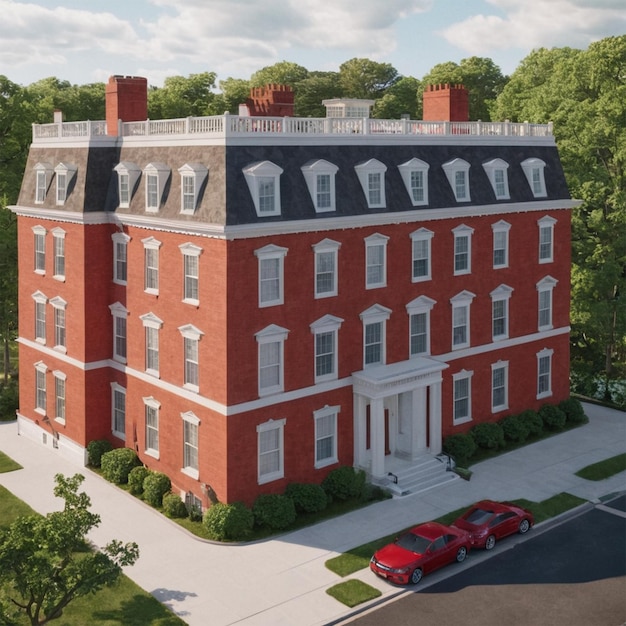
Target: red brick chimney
{"x": 271, "y": 101}
{"x": 446, "y": 103}
{"x": 126, "y": 100}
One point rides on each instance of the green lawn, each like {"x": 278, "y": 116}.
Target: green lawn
{"x": 604, "y": 469}
{"x": 353, "y": 592}
{"x": 7, "y": 464}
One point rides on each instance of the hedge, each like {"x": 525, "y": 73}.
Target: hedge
{"x": 307, "y": 497}
{"x": 228, "y": 522}
{"x": 95, "y": 450}
{"x": 276, "y": 511}
{"x": 344, "y": 483}
{"x": 155, "y": 486}
{"x": 117, "y": 464}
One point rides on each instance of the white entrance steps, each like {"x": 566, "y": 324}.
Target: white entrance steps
{"x": 406, "y": 477}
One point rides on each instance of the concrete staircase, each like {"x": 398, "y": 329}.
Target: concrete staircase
{"x": 410, "y": 477}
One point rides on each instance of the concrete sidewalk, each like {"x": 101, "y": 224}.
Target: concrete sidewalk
{"x": 283, "y": 581}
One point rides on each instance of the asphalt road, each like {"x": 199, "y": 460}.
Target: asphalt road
{"x": 572, "y": 574}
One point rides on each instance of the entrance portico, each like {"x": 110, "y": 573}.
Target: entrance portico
{"x": 397, "y": 411}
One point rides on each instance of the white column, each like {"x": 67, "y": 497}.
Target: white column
{"x": 435, "y": 418}
{"x": 377, "y": 434}
{"x": 360, "y": 431}
{"x": 419, "y": 420}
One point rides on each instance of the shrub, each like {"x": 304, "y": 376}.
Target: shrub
{"x": 461, "y": 447}
{"x": 173, "y": 506}
{"x": 95, "y": 450}
{"x": 574, "y": 412}
{"x": 276, "y": 511}
{"x": 344, "y": 483}
{"x": 534, "y": 422}
{"x": 307, "y": 497}
{"x": 155, "y": 486}
{"x": 552, "y": 416}
{"x": 232, "y": 522}
{"x": 117, "y": 464}
{"x": 136, "y": 477}
{"x": 515, "y": 428}
{"x": 488, "y": 436}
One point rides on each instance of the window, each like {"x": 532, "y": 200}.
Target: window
{"x": 371, "y": 175}
{"x": 43, "y": 176}
{"x": 415, "y": 177}
{"x": 127, "y": 177}
{"x": 461, "y": 319}
{"x": 499, "y": 386}
{"x": 462, "y": 249}
{"x": 64, "y": 175}
{"x": 40, "y": 387}
{"x": 118, "y": 410}
{"x": 374, "y": 330}
{"x": 326, "y": 268}
{"x": 59, "y": 305}
{"x": 191, "y": 273}
{"x": 120, "y": 266}
{"x": 120, "y": 314}
{"x": 325, "y": 333}
{"x": 271, "y": 367}
{"x": 546, "y": 239}
{"x": 270, "y": 448}
{"x": 544, "y": 291}
{"x": 500, "y": 244}
{"x": 151, "y": 265}
{"x": 156, "y": 175}
{"x": 263, "y": 179}
{"x": 152, "y": 325}
{"x": 58, "y": 238}
{"x": 190, "y": 444}
{"x": 320, "y": 180}
{"x": 191, "y": 339}
{"x": 271, "y": 267}
{"x": 192, "y": 178}
{"x": 419, "y": 325}
{"x": 40, "y": 249}
{"x": 462, "y": 383}
{"x": 152, "y": 408}
{"x": 534, "y": 171}
{"x": 421, "y": 259}
{"x": 544, "y": 373}
{"x": 40, "y": 316}
{"x": 500, "y": 312}
{"x": 497, "y": 172}
{"x": 376, "y": 261}
{"x": 325, "y": 436}
{"x": 457, "y": 173}
{"x": 59, "y": 397}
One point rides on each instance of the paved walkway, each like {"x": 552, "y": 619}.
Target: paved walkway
{"x": 282, "y": 582}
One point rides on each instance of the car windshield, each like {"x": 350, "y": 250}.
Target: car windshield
{"x": 414, "y": 543}
{"x": 478, "y": 516}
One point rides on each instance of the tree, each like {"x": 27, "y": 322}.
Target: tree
{"x": 234, "y": 91}
{"x": 283, "y": 73}
{"x": 182, "y": 97}
{"x": 8, "y": 283}
{"x": 43, "y": 562}
{"x": 313, "y": 90}
{"x": 400, "y": 99}
{"x": 362, "y": 78}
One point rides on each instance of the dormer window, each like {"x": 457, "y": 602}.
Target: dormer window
{"x": 534, "y": 171}
{"x": 320, "y": 180}
{"x": 263, "y": 180}
{"x": 157, "y": 175}
{"x": 497, "y": 172}
{"x": 415, "y": 176}
{"x": 457, "y": 172}
{"x": 127, "y": 177}
{"x": 43, "y": 174}
{"x": 64, "y": 173}
{"x": 192, "y": 177}
{"x": 372, "y": 178}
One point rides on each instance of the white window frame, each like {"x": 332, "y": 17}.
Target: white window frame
{"x": 60, "y": 390}
{"x": 329, "y": 250}
{"x": 258, "y": 175}
{"x": 500, "y": 244}
{"x": 271, "y": 257}
{"x": 191, "y": 338}
{"x": 275, "y": 336}
{"x": 188, "y": 251}
{"x": 65, "y": 173}
{"x": 118, "y": 413}
{"x": 151, "y": 248}
{"x": 193, "y": 174}
{"x": 422, "y": 305}
{"x": 497, "y": 369}
{"x": 154, "y": 197}
{"x": 457, "y": 173}
{"x": 120, "y": 258}
{"x": 191, "y": 444}
{"x": 326, "y": 325}
{"x": 127, "y": 176}
{"x": 497, "y": 172}
{"x": 544, "y": 373}
{"x": 41, "y": 391}
{"x": 120, "y": 331}
{"x": 326, "y": 429}
{"x": 375, "y": 315}
{"x": 371, "y": 175}
{"x": 380, "y": 242}
{"x": 152, "y": 326}
{"x": 501, "y": 294}
{"x": 407, "y": 170}
{"x": 323, "y": 199}
{"x": 459, "y": 418}
{"x": 421, "y": 241}
{"x": 60, "y": 325}
{"x": 43, "y": 178}
{"x": 546, "y": 239}
{"x": 545, "y": 303}
{"x": 152, "y": 409}
{"x": 461, "y": 307}
{"x": 41, "y": 301}
{"x": 462, "y": 232}
{"x": 39, "y": 249}
{"x": 58, "y": 250}
{"x": 534, "y": 171}
{"x": 278, "y": 452}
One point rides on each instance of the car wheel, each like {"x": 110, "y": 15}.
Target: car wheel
{"x": 461, "y": 553}
{"x": 416, "y": 576}
{"x": 490, "y": 543}
{"x": 524, "y": 526}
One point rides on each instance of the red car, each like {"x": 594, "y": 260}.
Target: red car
{"x": 421, "y": 550}
{"x": 488, "y": 522}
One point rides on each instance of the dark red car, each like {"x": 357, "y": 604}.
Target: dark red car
{"x": 488, "y": 522}
{"x": 421, "y": 550}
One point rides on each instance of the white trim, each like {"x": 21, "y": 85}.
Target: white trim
{"x": 419, "y": 235}
{"x": 326, "y": 246}
{"x": 126, "y": 168}
{"x": 326, "y": 411}
{"x": 363, "y": 171}
{"x": 451, "y": 169}
{"x": 376, "y": 240}
{"x": 505, "y": 405}
{"x": 491, "y": 168}
{"x": 497, "y": 228}
{"x": 198, "y": 172}
{"x": 162, "y": 173}
{"x": 271, "y": 253}
{"x": 406, "y": 171}
{"x": 458, "y": 232}
{"x": 280, "y": 472}
{"x": 535, "y": 165}
{"x": 311, "y": 172}
{"x": 462, "y": 375}
{"x": 254, "y": 174}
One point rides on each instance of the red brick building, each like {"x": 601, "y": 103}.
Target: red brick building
{"x": 250, "y": 301}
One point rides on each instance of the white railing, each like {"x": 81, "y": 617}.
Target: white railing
{"x": 235, "y": 125}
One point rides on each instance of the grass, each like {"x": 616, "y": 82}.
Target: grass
{"x": 7, "y": 464}
{"x": 604, "y": 469}
{"x": 353, "y": 592}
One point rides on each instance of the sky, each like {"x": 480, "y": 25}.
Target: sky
{"x": 86, "y": 41}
